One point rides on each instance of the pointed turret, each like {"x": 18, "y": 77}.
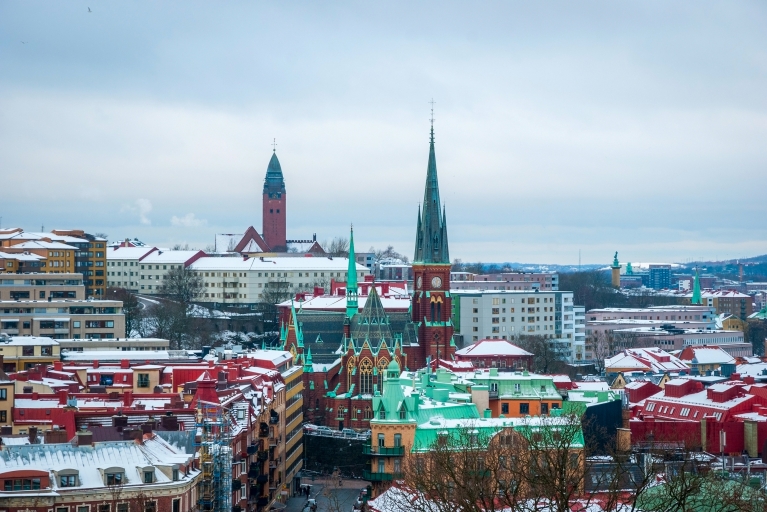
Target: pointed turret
{"x": 274, "y": 181}
{"x": 696, "y": 295}
{"x": 431, "y": 235}
{"x": 308, "y": 361}
{"x": 352, "y": 306}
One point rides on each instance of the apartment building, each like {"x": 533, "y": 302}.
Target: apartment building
{"x": 71, "y": 250}
{"x": 544, "y": 281}
{"x": 123, "y": 269}
{"x": 243, "y": 281}
{"x": 155, "y": 265}
{"x": 63, "y": 318}
{"x": 20, "y": 262}
{"x": 507, "y": 314}
{"x": 42, "y": 286}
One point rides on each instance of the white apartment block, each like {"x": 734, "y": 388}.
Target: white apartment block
{"x": 123, "y": 266}
{"x": 155, "y": 265}
{"x": 507, "y": 314}
{"x": 241, "y": 281}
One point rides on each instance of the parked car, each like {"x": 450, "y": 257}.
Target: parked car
{"x": 324, "y": 429}
{"x": 349, "y": 432}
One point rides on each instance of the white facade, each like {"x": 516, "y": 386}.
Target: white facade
{"x": 507, "y": 314}
{"x": 580, "y": 332}
{"x": 154, "y": 266}
{"x": 123, "y": 266}
{"x": 241, "y": 281}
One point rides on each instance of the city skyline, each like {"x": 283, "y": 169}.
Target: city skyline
{"x": 558, "y": 130}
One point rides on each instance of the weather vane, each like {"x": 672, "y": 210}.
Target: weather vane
{"x": 274, "y": 145}
{"x": 432, "y": 120}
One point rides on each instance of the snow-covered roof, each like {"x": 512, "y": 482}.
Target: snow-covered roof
{"x": 41, "y": 244}
{"x": 89, "y": 462}
{"x": 28, "y": 340}
{"x": 272, "y": 263}
{"x": 22, "y": 256}
{"x": 491, "y": 347}
{"x": 706, "y": 355}
{"x": 115, "y": 355}
{"x": 170, "y": 256}
{"x": 128, "y": 253}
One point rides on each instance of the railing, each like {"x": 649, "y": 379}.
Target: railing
{"x": 384, "y": 451}
{"x": 379, "y": 477}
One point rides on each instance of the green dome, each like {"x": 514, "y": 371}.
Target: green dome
{"x": 393, "y": 367}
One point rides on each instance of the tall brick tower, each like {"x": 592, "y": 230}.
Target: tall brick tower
{"x": 275, "y": 206}
{"x": 431, "y": 306}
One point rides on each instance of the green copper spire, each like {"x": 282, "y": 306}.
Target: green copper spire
{"x": 308, "y": 361}
{"x": 431, "y": 236}
{"x": 352, "y": 306}
{"x": 696, "y": 297}
{"x": 274, "y": 182}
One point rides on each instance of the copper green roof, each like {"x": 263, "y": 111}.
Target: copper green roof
{"x": 274, "y": 181}
{"x": 696, "y": 298}
{"x": 351, "y": 280}
{"x": 431, "y": 235}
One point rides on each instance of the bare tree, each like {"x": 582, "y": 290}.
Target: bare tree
{"x": 182, "y": 285}
{"x": 339, "y": 246}
{"x": 168, "y": 319}
{"x": 547, "y": 354}
{"x": 132, "y": 309}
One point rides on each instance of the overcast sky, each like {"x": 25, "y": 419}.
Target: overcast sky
{"x": 639, "y": 127}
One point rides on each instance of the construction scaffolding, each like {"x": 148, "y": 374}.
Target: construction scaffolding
{"x": 212, "y": 440}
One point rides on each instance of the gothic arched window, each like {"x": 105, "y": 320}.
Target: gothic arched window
{"x": 366, "y": 377}
{"x": 383, "y": 364}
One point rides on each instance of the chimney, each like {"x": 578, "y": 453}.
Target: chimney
{"x": 58, "y": 366}
{"x": 55, "y": 436}
{"x": 6, "y": 430}
{"x": 128, "y": 398}
{"x": 63, "y": 396}
{"x": 85, "y": 438}
{"x": 147, "y": 428}
{"x": 95, "y": 363}
{"x": 124, "y": 363}
{"x": 169, "y": 421}
{"x": 120, "y": 421}
{"x": 33, "y": 435}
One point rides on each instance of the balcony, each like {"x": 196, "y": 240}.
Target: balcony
{"x": 252, "y": 449}
{"x": 493, "y": 393}
{"x": 262, "y": 455}
{"x": 383, "y": 451}
{"x": 379, "y": 477}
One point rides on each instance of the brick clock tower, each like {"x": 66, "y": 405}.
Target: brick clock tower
{"x": 431, "y": 307}
{"x": 274, "y": 205}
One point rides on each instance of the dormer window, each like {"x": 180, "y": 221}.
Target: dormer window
{"x": 382, "y": 414}
{"x": 148, "y": 477}
{"x": 175, "y": 474}
{"x": 114, "y": 478}
{"x": 68, "y": 481}
{"x": 403, "y": 413}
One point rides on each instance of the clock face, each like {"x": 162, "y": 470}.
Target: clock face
{"x": 419, "y": 282}
{"x": 436, "y": 282}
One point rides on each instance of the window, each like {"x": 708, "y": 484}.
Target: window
{"x": 83, "y": 508}
{"x": 104, "y": 507}
{"x": 505, "y": 408}
{"x": 366, "y": 377}
{"x": 544, "y": 408}
{"x": 175, "y": 474}
{"x": 114, "y": 478}
{"x": 397, "y": 439}
{"x": 122, "y": 507}
{"x": 148, "y": 477}
{"x": 524, "y": 408}
{"x": 382, "y": 414}
{"x": 3, "y": 394}
{"x": 62, "y": 509}
{"x": 68, "y": 480}
{"x": 403, "y": 413}
{"x": 143, "y": 380}
{"x": 381, "y": 439}
{"x": 150, "y": 506}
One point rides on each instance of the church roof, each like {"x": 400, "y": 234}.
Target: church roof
{"x": 431, "y": 235}
{"x": 373, "y": 322}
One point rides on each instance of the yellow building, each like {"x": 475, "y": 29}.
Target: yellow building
{"x": 7, "y": 395}
{"x": 58, "y": 257}
{"x": 23, "y": 352}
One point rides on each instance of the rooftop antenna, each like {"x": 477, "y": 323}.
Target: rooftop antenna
{"x": 274, "y": 145}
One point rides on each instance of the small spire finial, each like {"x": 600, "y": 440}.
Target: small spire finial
{"x": 274, "y": 145}
{"x": 431, "y": 140}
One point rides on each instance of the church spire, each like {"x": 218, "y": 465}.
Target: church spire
{"x": 431, "y": 236}
{"x": 696, "y": 295}
{"x": 351, "y": 280}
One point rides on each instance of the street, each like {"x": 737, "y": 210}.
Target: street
{"x": 330, "y": 496}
